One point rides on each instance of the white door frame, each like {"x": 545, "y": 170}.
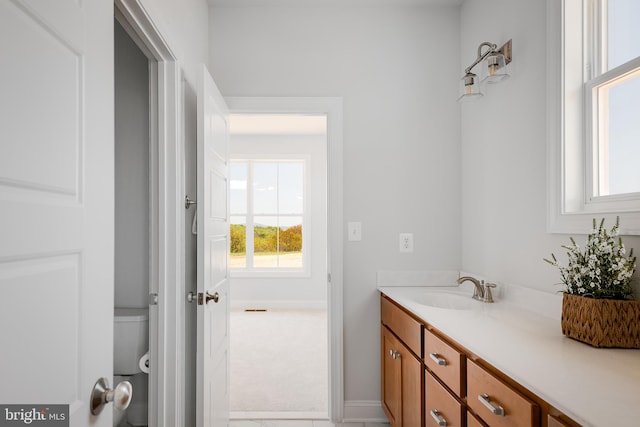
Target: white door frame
{"x": 167, "y": 317}
{"x": 332, "y": 107}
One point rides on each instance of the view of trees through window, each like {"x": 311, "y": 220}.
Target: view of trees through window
{"x": 267, "y": 214}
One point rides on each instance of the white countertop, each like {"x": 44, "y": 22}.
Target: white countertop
{"x": 520, "y": 335}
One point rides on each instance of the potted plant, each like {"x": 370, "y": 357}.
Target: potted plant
{"x": 597, "y": 304}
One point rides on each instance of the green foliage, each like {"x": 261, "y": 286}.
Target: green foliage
{"x": 238, "y": 239}
{"x": 291, "y": 239}
{"x": 266, "y": 239}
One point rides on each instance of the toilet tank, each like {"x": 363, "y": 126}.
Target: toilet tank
{"x": 131, "y": 339}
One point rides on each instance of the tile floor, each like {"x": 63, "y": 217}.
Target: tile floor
{"x": 298, "y": 423}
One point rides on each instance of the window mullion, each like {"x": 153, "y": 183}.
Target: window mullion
{"x": 278, "y": 215}
{"x": 250, "y": 213}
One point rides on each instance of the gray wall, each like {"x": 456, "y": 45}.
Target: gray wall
{"x": 504, "y": 175}
{"x": 397, "y": 69}
{"x": 131, "y": 173}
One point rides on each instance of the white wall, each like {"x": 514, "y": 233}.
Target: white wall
{"x": 184, "y": 24}
{"x": 291, "y": 292}
{"x": 504, "y": 177}
{"x": 395, "y": 70}
{"x": 131, "y": 173}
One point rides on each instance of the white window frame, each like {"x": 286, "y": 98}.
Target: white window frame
{"x": 270, "y": 272}
{"x": 570, "y": 103}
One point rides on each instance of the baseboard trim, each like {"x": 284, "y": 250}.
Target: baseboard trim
{"x": 364, "y": 411}
{"x": 278, "y": 305}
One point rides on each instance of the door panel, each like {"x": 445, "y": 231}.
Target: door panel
{"x": 212, "y": 370}
{"x": 56, "y": 203}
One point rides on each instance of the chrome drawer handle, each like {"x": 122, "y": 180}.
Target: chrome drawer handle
{"x": 484, "y": 398}
{"x": 394, "y": 354}
{"x": 439, "y": 360}
{"x": 435, "y": 414}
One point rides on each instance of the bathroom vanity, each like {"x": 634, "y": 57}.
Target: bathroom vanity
{"x": 448, "y": 360}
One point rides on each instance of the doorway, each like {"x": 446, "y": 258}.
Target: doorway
{"x": 332, "y": 108}
{"x": 278, "y": 259}
{"x": 133, "y": 231}
{"x": 164, "y": 295}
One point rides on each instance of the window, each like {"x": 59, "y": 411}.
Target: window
{"x": 594, "y": 139}
{"x": 268, "y": 221}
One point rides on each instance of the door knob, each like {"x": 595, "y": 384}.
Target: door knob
{"x": 102, "y": 394}
{"x": 205, "y": 297}
{"x": 215, "y": 297}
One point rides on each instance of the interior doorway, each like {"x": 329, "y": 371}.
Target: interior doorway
{"x": 279, "y": 328}
{"x": 133, "y": 215}
{"x": 166, "y": 354}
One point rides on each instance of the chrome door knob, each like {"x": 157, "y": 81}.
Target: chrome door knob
{"x": 102, "y": 394}
{"x": 215, "y": 297}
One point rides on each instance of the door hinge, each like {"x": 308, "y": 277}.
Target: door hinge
{"x": 153, "y": 299}
{"x": 328, "y": 277}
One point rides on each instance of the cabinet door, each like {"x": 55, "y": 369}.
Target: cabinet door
{"x": 401, "y": 383}
{"x": 391, "y": 378}
{"x": 411, "y": 389}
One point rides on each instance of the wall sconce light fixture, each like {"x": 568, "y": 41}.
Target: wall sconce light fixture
{"x": 494, "y": 69}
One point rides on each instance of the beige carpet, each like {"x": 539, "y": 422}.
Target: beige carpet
{"x": 278, "y": 361}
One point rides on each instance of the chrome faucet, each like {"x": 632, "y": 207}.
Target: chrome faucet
{"x": 482, "y": 291}
{"x": 478, "y": 292}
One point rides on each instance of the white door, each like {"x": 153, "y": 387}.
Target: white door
{"x": 56, "y": 203}
{"x": 213, "y": 251}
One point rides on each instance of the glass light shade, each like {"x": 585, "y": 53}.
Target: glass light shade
{"x": 469, "y": 87}
{"x": 494, "y": 69}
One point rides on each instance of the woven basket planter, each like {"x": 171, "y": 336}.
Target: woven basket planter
{"x": 601, "y": 322}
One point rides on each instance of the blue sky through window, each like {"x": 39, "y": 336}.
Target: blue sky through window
{"x": 623, "y": 45}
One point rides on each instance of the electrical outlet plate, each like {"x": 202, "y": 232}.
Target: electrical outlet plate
{"x": 354, "y": 230}
{"x": 406, "y": 242}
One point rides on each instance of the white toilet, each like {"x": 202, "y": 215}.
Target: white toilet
{"x": 131, "y": 344}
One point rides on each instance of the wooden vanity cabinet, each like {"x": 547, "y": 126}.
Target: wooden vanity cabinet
{"x": 402, "y": 383}
{"x": 428, "y": 380}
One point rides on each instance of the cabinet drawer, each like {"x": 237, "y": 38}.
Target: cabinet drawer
{"x": 495, "y": 402}
{"x": 472, "y": 421}
{"x": 441, "y": 408}
{"x": 445, "y": 362}
{"x": 404, "y": 326}
{"x": 556, "y": 422}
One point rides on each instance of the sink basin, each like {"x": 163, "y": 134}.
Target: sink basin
{"x": 448, "y": 300}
